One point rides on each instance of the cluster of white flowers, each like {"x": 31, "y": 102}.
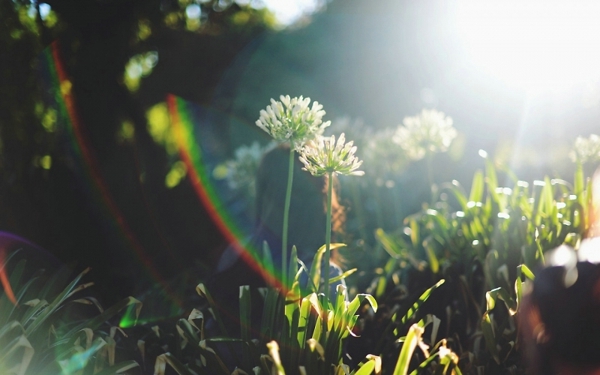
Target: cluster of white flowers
{"x": 586, "y": 149}
{"x": 382, "y": 154}
{"x": 241, "y": 170}
{"x": 293, "y": 120}
{"x": 427, "y": 133}
{"x": 325, "y": 155}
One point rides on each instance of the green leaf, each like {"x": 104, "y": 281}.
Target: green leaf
{"x": 415, "y": 307}
{"x": 168, "y": 358}
{"x": 459, "y": 194}
{"x": 55, "y": 304}
{"x": 389, "y": 244}
{"x": 12, "y": 348}
{"x": 525, "y": 271}
{"x": 366, "y": 368}
{"x": 425, "y": 363}
{"x": 413, "y": 337}
{"x": 274, "y": 352}
{"x": 357, "y": 301}
{"x": 414, "y": 233}
{"x": 429, "y": 246}
{"x": 343, "y": 275}
{"x": 477, "y": 188}
{"x": 503, "y": 294}
{"x": 315, "y": 268}
{"x": 490, "y": 338}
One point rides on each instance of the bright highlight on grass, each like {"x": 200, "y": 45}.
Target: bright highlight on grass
{"x": 533, "y": 44}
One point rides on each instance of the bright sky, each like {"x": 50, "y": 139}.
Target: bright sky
{"x": 288, "y": 11}
{"x": 536, "y": 42}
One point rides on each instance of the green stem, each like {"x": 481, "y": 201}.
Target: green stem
{"x": 328, "y": 239}
{"x": 286, "y": 215}
{"x": 430, "y": 176}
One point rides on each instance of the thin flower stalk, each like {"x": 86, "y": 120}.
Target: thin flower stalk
{"x": 292, "y": 121}
{"x": 424, "y": 135}
{"x": 328, "y": 157}
{"x": 328, "y": 235}
{"x": 286, "y": 217}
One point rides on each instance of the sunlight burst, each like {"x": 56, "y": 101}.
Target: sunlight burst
{"x": 533, "y": 44}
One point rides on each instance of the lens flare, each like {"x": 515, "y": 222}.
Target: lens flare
{"x": 185, "y": 126}
{"x": 4, "y": 278}
{"x": 188, "y": 143}
{"x": 56, "y": 77}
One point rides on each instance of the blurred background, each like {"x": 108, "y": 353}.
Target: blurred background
{"x": 93, "y": 171}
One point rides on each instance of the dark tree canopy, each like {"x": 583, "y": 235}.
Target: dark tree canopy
{"x": 45, "y": 196}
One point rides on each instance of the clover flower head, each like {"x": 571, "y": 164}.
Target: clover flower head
{"x": 241, "y": 170}
{"x": 586, "y": 149}
{"x": 293, "y": 120}
{"x": 325, "y": 155}
{"x": 429, "y": 132}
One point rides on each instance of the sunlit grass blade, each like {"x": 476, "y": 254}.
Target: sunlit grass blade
{"x": 55, "y": 304}
{"x": 477, "y": 187}
{"x": 413, "y": 337}
{"x": 372, "y": 365}
{"x": 343, "y": 275}
{"x": 428, "y": 245}
{"x": 315, "y": 268}
{"x": 274, "y": 353}
{"x": 490, "y": 337}
{"x": 424, "y": 297}
{"x": 10, "y": 354}
{"x": 273, "y": 301}
{"x": 166, "y": 358}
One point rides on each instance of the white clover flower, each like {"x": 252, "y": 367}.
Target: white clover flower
{"x": 324, "y": 156}
{"x": 429, "y": 132}
{"x": 292, "y": 120}
{"x": 586, "y": 149}
{"x": 241, "y": 170}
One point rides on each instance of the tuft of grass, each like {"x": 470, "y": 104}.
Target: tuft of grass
{"x": 292, "y": 335}
{"x": 485, "y": 244}
{"x": 39, "y": 334}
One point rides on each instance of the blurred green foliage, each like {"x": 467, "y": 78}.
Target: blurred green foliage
{"x": 109, "y": 50}
{"x": 46, "y": 329}
{"x": 484, "y": 244}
